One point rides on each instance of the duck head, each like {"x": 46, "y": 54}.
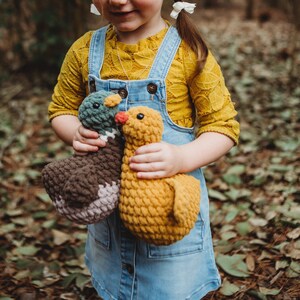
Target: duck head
{"x": 141, "y": 125}
{"x": 97, "y": 111}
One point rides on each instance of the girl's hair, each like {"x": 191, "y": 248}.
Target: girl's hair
{"x": 190, "y": 34}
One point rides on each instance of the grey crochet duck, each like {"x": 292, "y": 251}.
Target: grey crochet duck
{"x": 85, "y": 189}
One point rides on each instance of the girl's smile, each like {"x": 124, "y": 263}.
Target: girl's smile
{"x": 123, "y": 14}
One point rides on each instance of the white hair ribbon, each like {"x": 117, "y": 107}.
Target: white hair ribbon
{"x": 94, "y": 10}
{"x": 179, "y": 6}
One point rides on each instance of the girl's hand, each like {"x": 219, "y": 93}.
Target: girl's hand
{"x": 157, "y": 160}
{"x": 86, "y": 140}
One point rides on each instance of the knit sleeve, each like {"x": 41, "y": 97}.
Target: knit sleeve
{"x": 71, "y": 87}
{"x": 214, "y": 109}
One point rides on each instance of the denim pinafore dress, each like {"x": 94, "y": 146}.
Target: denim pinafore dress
{"x": 123, "y": 267}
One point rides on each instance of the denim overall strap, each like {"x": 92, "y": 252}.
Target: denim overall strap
{"x": 165, "y": 54}
{"x": 97, "y": 50}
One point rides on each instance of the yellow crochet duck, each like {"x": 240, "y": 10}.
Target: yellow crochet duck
{"x": 158, "y": 211}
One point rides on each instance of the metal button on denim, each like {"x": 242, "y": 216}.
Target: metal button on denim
{"x": 123, "y": 93}
{"x": 152, "y": 88}
{"x": 92, "y": 86}
{"x": 129, "y": 268}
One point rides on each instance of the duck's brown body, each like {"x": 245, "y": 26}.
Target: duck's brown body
{"x": 86, "y": 188}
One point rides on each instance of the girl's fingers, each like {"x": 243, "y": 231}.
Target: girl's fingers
{"x": 147, "y": 167}
{"x": 86, "y": 140}
{"x": 82, "y": 147}
{"x": 86, "y": 133}
{"x": 145, "y": 158}
{"x": 151, "y": 175}
{"x": 154, "y": 147}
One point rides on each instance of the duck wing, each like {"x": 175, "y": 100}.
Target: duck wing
{"x": 82, "y": 187}
{"x": 186, "y": 198}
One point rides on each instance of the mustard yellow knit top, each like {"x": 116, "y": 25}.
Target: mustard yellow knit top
{"x": 189, "y": 93}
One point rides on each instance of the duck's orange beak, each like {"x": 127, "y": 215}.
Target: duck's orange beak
{"x": 121, "y": 118}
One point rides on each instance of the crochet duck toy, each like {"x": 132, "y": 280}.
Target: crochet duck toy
{"x": 85, "y": 189}
{"x": 158, "y": 211}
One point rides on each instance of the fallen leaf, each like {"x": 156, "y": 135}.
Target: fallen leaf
{"x": 281, "y": 264}
{"x": 250, "y": 262}
{"x": 258, "y": 222}
{"x": 27, "y": 250}
{"x": 233, "y": 265}
{"x": 294, "y": 234}
{"x": 228, "y": 289}
{"x": 216, "y": 195}
{"x": 269, "y": 292}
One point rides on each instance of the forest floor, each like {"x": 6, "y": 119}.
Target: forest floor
{"x": 254, "y": 190}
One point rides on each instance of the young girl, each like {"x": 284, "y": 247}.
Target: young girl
{"x": 148, "y": 62}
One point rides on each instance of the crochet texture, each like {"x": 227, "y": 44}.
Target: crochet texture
{"x": 85, "y": 189}
{"x": 158, "y": 211}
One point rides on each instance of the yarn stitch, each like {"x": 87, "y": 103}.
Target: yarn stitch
{"x": 158, "y": 211}
{"x": 85, "y": 189}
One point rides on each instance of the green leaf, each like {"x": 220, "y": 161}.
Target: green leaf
{"x": 293, "y": 212}
{"x": 280, "y": 168}
{"x": 295, "y": 266}
{"x": 228, "y": 289}
{"x": 20, "y": 178}
{"x": 24, "y": 263}
{"x": 40, "y": 214}
{"x": 232, "y": 179}
{"x": 7, "y": 228}
{"x": 49, "y": 224}
{"x": 82, "y": 280}
{"x": 233, "y": 265}
{"x": 68, "y": 280}
{"x": 281, "y": 264}
{"x": 259, "y": 180}
{"x": 231, "y": 215}
{"x": 37, "y": 271}
{"x": 243, "y": 228}
{"x": 33, "y": 174}
{"x": 28, "y": 250}
{"x": 237, "y": 170}
{"x": 257, "y": 295}
{"x": 44, "y": 197}
{"x": 217, "y": 195}
{"x": 228, "y": 235}
{"x": 271, "y": 292}
{"x": 288, "y": 145}
{"x": 235, "y": 194}
{"x": 14, "y": 212}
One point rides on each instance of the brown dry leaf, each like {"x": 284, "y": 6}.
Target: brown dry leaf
{"x": 250, "y": 261}
{"x": 59, "y": 237}
{"x": 258, "y": 222}
{"x": 294, "y": 234}
{"x": 292, "y": 250}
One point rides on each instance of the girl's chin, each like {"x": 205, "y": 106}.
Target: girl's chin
{"x": 126, "y": 27}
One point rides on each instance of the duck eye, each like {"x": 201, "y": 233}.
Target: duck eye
{"x": 140, "y": 116}
{"x": 96, "y": 105}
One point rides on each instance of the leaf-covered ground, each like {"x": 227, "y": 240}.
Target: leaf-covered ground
{"x": 255, "y": 196}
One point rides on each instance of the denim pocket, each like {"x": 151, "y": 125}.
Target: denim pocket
{"x": 100, "y": 233}
{"x": 190, "y": 244}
